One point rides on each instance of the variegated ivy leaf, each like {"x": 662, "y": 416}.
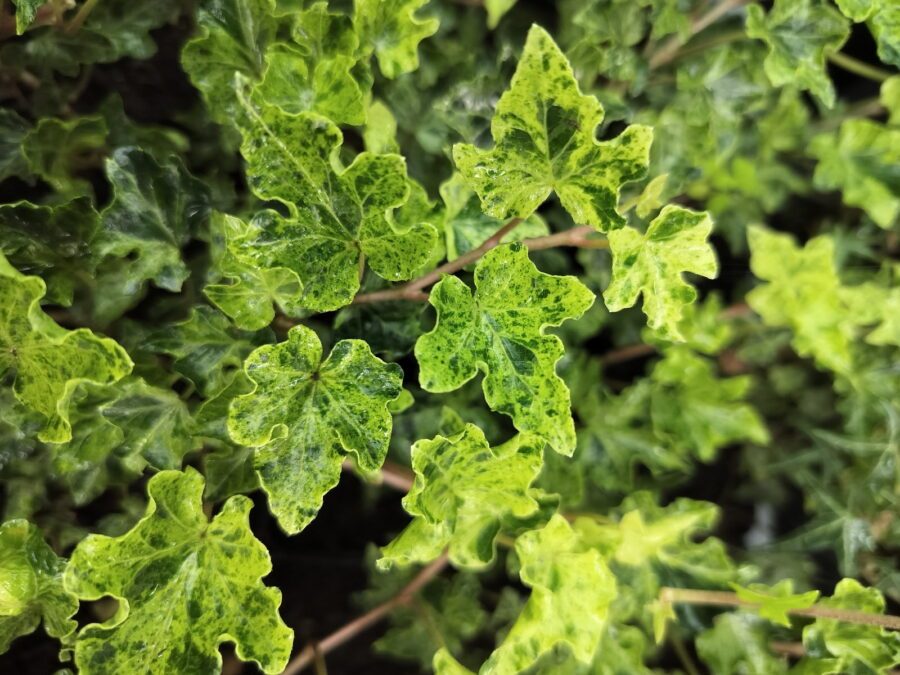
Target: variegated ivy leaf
{"x": 800, "y": 34}
{"x": 392, "y": 30}
{"x": 49, "y": 361}
{"x": 803, "y": 294}
{"x": 56, "y": 151}
{"x": 31, "y": 585}
{"x": 207, "y": 349}
{"x": 155, "y": 211}
{"x": 738, "y": 643}
{"x": 463, "y": 494}
{"x": 185, "y": 586}
{"x": 256, "y": 281}
{"x": 500, "y": 331}
{"x": 315, "y": 72}
{"x": 571, "y": 591}
{"x": 776, "y": 601}
{"x": 652, "y": 264}
{"x": 466, "y": 226}
{"x": 13, "y": 129}
{"x": 884, "y": 21}
{"x": 234, "y": 35}
{"x": 879, "y": 305}
{"x": 336, "y": 217}
{"x": 861, "y": 160}
{"x": 543, "y": 130}
{"x": 306, "y": 415}
{"x": 854, "y": 647}
{"x": 26, "y": 11}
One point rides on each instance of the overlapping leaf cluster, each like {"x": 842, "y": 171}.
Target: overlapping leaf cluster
{"x": 252, "y": 245}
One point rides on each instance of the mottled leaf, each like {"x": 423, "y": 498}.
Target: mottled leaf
{"x": 185, "y": 585}
{"x": 392, "y": 30}
{"x": 31, "y": 585}
{"x": 463, "y": 494}
{"x": 500, "y": 331}
{"x": 58, "y": 151}
{"x": 305, "y": 415}
{"x": 543, "y": 130}
{"x": 49, "y": 361}
{"x": 652, "y": 264}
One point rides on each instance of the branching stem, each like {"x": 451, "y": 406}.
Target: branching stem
{"x": 690, "y": 596}
{"x": 349, "y": 631}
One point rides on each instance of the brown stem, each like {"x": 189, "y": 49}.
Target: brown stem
{"x": 392, "y": 474}
{"x": 412, "y": 290}
{"x": 367, "y": 620}
{"x": 670, "y": 47}
{"x": 576, "y": 236}
{"x": 80, "y": 17}
{"x": 691, "y": 596}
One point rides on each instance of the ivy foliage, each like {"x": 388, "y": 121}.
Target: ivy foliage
{"x": 596, "y": 303}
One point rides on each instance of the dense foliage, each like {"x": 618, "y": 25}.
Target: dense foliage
{"x": 608, "y": 289}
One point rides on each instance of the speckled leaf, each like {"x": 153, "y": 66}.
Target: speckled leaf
{"x": 48, "y": 360}
{"x": 52, "y": 242}
{"x": 306, "y": 415}
{"x": 256, "y": 281}
{"x": 233, "y": 38}
{"x": 776, "y": 601}
{"x": 57, "y": 149}
{"x": 543, "y": 130}
{"x": 500, "y": 331}
{"x": 335, "y": 217}
{"x": 466, "y": 226}
{"x": 155, "y": 211}
{"x": 862, "y": 161}
{"x": 463, "y": 493}
{"x": 571, "y": 591}
{"x": 799, "y": 33}
{"x": 652, "y": 264}
{"x": 185, "y": 586}
{"x": 315, "y": 71}
{"x": 803, "y": 294}
{"x": 392, "y": 30}
{"x": 31, "y": 585}
{"x": 207, "y": 349}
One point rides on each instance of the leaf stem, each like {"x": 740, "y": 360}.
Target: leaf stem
{"x": 859, "y": 67}
{"x": 80, "y": 17}
{"x": 690, "y": 596}
{"x": 669, "y": 49}
{"x": 349, "y": 631}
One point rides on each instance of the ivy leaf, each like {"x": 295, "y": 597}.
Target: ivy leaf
{"x": 496, "y": 9}
{"x": 31, "y": 585}
{"x": 652, "y": 263}
{"x": 885, "y": 27}
{"x": 234, "y": 35}
{"x": 543, "y": 130}
{"x": 26, "y": 11}
{"x": 335, "y": 216}
{"x": 466, "y": 226}
{"x": 185, "y": 585}
{"x": 154, "y": 213}
{"x": 861, "y": 160}
{"x": 305, "y": 415}
{"x": 52, "y": 242}
{"x": 256, "y": 282}
{"x": 59, "y": 150}
{"x": 207, "y": 348}
{"x": 500, "y": 331}
{"x": 13, "y": 129}
{"x": 463, "y": 494}
{"x": 699, "y": 411}
{"x": 776, "y": 601}
{"x": 572, "y": 590}
{"x": 803, "y": 294}
{"x": 315, "y": 72}
{"x": 857, "y": 647}
{"x": 800, "y": 34}
{"x": 48, "y": 360}
{"x": 392, "y": 30}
